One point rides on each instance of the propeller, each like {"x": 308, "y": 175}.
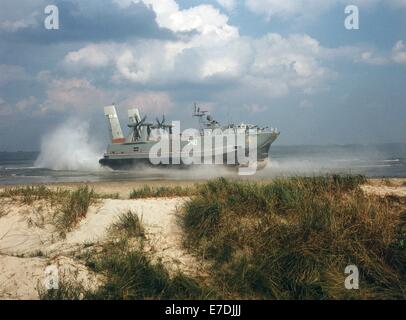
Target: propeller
{"x": 137, "y": 125}
{"x": 140, "y": 123}
{"x": 161, "y": 124}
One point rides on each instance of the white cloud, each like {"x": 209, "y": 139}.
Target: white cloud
{"x": 271, "y": 65}
{"x": 12, "y": 26}
{"x": 92, "y": 56}
{"x": 371, "y": 57}
{"x": 282, "y": 62}
{"x": 227, "y": 4}
{"x": 399, "y": 52}
{"x": 214, "y": 51}
{"x": 202, "y": 18}
{"x": 198, "y": 56}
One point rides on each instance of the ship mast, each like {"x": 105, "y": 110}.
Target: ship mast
{"x": 200, "y": 114}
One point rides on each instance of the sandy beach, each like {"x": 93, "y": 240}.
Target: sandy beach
{"x": 28, "y": 242}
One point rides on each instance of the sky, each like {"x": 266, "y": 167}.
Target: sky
{"x": 289, "y": 64}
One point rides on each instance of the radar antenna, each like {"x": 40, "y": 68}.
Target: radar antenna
{"x": 201, "y": 115}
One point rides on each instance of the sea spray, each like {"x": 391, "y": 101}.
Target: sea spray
{"x": 70, "y": 147}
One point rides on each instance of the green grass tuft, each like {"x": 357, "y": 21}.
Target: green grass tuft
{"x": 29, "y": 194}
{"x": 149, "y": 192}
{"x": 74, "y": 209}
{"x": 130, "y": 225}
{"x": 128, "y": 273}
{"x": 132, "y": 275}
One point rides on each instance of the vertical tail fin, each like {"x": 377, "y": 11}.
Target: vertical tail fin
{"x": 116, "y": 133}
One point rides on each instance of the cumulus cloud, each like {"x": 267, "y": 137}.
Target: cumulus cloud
{"x": 202, "y": 18}
{"x": 157, "y": 55}
{"x": 273, "y": 61}
{"x": 208, "y": 49}
{"x": 197, "y": 55}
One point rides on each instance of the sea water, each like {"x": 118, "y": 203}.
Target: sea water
{"x": 374, "y": 161}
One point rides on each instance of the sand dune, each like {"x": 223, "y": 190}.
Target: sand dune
{"x": 28, "y": 243}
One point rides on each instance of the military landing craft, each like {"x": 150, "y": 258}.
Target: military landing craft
{"x": 135, "y": 149}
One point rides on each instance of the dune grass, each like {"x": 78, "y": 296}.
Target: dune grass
{"x": 129, "y": 225}
{"x": 29, "y": 194}
{"x": 159, "y": 192}
{"x": 293, "y": 238}
{"x": 128, "y": 272}
{"x": 73, "y": 209}
{"x": 70, "y": 206}
{"x": 289, "y": 239}
{"x": 129, "y": 275}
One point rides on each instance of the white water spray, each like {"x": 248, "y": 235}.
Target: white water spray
{"x": 70, "y": 147}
